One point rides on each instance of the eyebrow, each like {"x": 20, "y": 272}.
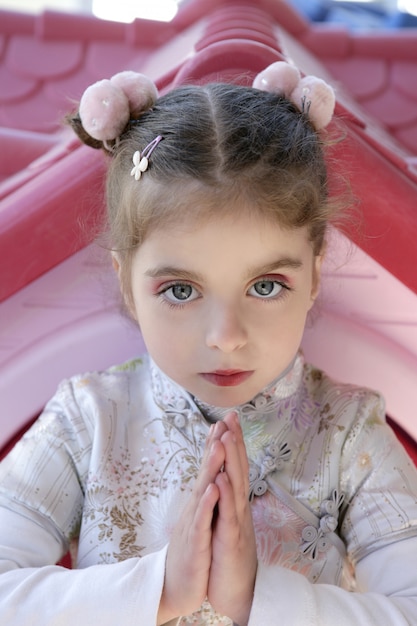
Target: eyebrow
{"x": 284, "y": 263}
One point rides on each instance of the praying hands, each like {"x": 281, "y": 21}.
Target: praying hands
{"x": 212, "y": 552}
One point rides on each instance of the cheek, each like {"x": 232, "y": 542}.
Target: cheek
{"x": 158, "y": 344}
{"x": 289, "y": 325}
{"x": 159, "y": 331}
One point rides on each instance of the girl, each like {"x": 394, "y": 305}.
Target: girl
{"x": 218, "y": 479}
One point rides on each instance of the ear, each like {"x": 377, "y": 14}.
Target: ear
{"x": 316, "y": 278}
{"x": 118, "y": 269}
{"x": 116, "y": 263}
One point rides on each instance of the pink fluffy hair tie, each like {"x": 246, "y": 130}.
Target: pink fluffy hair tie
{"x": 107, "y": 106}
{"x": 310, "y": 94}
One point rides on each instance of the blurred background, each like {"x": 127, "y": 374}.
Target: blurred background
{"x": 357, "y": 14}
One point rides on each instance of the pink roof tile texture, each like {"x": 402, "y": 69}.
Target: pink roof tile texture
{"x": 47, "y": 59}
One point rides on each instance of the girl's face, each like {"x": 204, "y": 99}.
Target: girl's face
{"x": 222, "y": 304}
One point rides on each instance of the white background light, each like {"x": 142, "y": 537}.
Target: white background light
{"x": 128, "y": 10}
{"x": 161, "y": 10}
{"x": 408, "y": 6}
{"x": 116, "y": 10}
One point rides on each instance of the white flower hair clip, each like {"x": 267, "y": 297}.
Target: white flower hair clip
{"x": 141, "y": 159}
{"x": 311, "y": 95}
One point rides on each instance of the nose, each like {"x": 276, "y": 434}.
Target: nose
{"x": 226, "y": 330}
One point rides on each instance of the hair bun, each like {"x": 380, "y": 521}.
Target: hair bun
{"x": 140, "y": 91}
{"x": 279, "y": 77}
{"x": 104, "y": 110}
{"x": 311, "y": 95}
{"x": 319, "y": 98}
{"x": 107, "y": 106}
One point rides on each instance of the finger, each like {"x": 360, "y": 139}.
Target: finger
{"x": 195, "y": 526}
{"x": 211, "y": 465}
{"x": 235, "y": 473}
{"x": 227, "y": 507}
{"x": 188, "y": 558}
{"x": 203, "y": 517}
{"x": 219, "y": 429}
{"x": 236, "y": 464}
{"x": 215, "y": 432}
{"x": 232, "y": 422}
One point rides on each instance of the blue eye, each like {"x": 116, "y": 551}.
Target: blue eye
{"x": 180, "y": 292}
{"x": 266, "y": 289}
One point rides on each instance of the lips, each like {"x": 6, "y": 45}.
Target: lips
{"x": 227, "y": 378}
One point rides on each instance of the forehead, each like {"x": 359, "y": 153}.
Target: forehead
{"x": 182, "y": 202}
{"x": 190, "y": 204}
{"x": 234, "y": 239}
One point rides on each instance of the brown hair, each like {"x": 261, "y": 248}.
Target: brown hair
{"x": 221, "y": 143}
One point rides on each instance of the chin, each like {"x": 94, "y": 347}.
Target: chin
{"x": 226, "y": 398}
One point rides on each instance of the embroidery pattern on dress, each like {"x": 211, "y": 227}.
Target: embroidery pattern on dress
{"x": 114, "y": 509}
{"x": 182, "y": 423}
{"x": 278, "y": 530}
{"x": 300, "y": 409}
{"x": 271, "y": 459}
{"x": 317, "y": 540}
{"x": 326, "y": 419}
{"x": 205, "y": 616}
{"x": 161, "y": 479}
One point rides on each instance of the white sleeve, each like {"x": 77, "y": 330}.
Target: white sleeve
{"x": 387, "y": 579}
{"x": 125, "y": 593}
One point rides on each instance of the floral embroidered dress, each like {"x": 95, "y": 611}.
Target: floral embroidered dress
{"x": 112, "y": 460}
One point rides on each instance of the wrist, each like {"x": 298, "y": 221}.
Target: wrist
{"x": 243, "y": 618}
{"x": 166, "y": 612}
